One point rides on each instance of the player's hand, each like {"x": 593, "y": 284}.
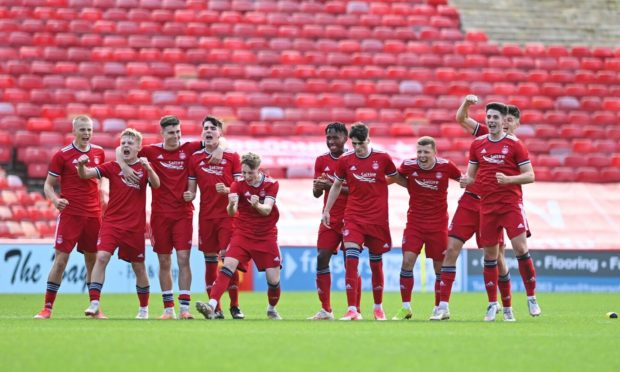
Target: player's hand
{"x": 471, "y": 99}
{"x": 325, "y": 219}
{"x": 144, "y": 161}
{"x": 502, "y": 179}
{"x": 221, "y": 188}
{"x": 233, "y": 198}
{"x": 466, "y": 181}
{"x": 216, "y": 156}
{"x": 82, "y": 160}
{"x": 188, "y": 196}
{"x": 61, "y": 203}
{"x": 254, "y": 199}
{"x": 129, "y": 174}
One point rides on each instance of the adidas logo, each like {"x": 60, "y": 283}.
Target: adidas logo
{"x": 484, "y": 151}
{"x": 415, "y": 174}
{"x": 141, "y": 255}
{"x": 520, "y": 226}
{"x": 277, "y": 259}
{"x": 377, "y": 288}
{"x": 348, "y": 286}
{"x": 490, "y": 284}
{"x": 160, "y": 156}
{"x": 326, "y": 169}
{"x": 353, "y": 168}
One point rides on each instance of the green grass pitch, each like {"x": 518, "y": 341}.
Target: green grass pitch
{"x": 572, "y": 334}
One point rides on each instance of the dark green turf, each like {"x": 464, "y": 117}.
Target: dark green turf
{"x": 572, "y": 334}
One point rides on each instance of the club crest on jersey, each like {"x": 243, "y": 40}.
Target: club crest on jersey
{"x": 375, "y": 165}
{"x": 182, "y": 155}
{"x": 59, "y": 239}
{"x": 96, "y": 160}
{"x": 261, "y": 193}
{"x": 345, "y": 232}
{"x": 439, "y": 175}
{"x": 223, "y": 161}
{"x": 505, "y": 150}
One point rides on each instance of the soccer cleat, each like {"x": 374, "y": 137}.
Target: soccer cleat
{"x": 379, "y": 314}
{"x": 100, "y": 315}
{"x": 236, "y": 313}
{"x": 403, "y": 314}
{"x": 509, "y": 316}
{"x": 440, "y": 313}
{"x": 322, "y": 315}
{"x": 533, "y": 307}
{"x": 168, "y": 314}
{"x": 499, "y": 308}
{"x": 92, "y": 311}
{"x": 205, "y": 309}
{"x": 352, "y": 315}
{"x": 491, "y": 312}
{"x": 45, "y": 313}
{"x": 143, "y": 314}
{"x": 219, "y": 314}
{"x": 186, "y": 315}
{"x": 273, "y": 315}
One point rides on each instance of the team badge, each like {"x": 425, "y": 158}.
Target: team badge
{"x": 505, "y": 150}
{"x": 182, "y": 155}
{"x": 96, "y": 160}
{"x": 375, "y": 165}
{"x": 439, "y": 175}
{"x": 261, "y": 193}
{"x": 223, "y": 161}
{"x": 59, "y": 239}
{"x": 345, "y": 232}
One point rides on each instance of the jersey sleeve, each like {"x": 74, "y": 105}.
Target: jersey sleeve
{"x": 473, "y": 157}
{"x": 403, "y": 170}
{"x": 480, "y": 130}
{"x": 234, "y": 188}
{"x": 56, "y": 165}
{"x": 318, "y": 169}
{"x": 522, "y": 156}
{"x": 390, "y": 168}
{"x": 191, "y": 168}
{"x": 194, "y": 146}
{"x": 272, "y": 191}
{"x": 340, "y": 172}
{"x": 236, "y": 165}
{"x": 453, "y": 171}
{"x": 104, "y": 170}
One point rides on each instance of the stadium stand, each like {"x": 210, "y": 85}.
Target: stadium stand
{"x": 281, "y": 68}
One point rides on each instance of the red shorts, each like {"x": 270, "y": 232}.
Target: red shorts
{"x": 466, "y": 221}
{"x": 512, "y": 218}
{"x": 214, "y": 235}
{"x": 168, "y": 232}
{"x": 376, "y": 237}
{"x": 330, "y": 238}
{"x": 435, "y": 242}
{"x": 130, "y": 244}
{"x": 265, "y": 253}
{"x": 80, "y": 230}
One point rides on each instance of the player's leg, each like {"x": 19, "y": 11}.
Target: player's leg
{"x": 378, "y": 241}
{"x": 185, "y": 282}
{"x": 273, "y": 292}
{"x": 504, "y": 285}
{"x": 222, "y": 282}
{"x": 165, "y": 282}
{"x": 143, "y": 288}
{"x": 96, "y": 283}
{"x": 352, "y": 256}
{"x": 406, "y": 284}
{"x": 54, "y": 279}
{"x": 323, "y": 284}
{"x": 233, "y": 290}
{"x": 437, "y": 264}
{"x": 527, "y": 271}
{"x": 491, "y": 276}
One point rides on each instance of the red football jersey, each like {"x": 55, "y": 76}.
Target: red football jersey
{"x": 127, "y": 205}
{"x": 428, "y": 192}
{"x": 171, "y": 167}
{"x": 505, "y": 155}
{"x": 325, "y": 165}
{"x": 480, "y": 130}
{"x": 213, "y": 204}
{"x": 367, "y": 201}
{"x": 83, "y": 195}
{"x": 248, "y": 222}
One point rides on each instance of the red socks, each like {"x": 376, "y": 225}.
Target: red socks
{"x": 406, "y": 285}
{"x": 528, "y": 273}
{"x": 273, "y": 293}
{"x": 323, "y": 286}
{"x": 490, "y": 274}
{"x": 376, "y": 268}
{"x": 448, "y": 273}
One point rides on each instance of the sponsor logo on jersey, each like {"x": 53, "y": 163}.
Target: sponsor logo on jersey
{"x": 494, "y": 159}
{"x": 216, "y": 171}
{"x": 365, "y": 177}
{"x": 173, "y": 164}
{"x": 428, "y": 184}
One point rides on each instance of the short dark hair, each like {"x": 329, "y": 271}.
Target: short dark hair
{"x": 359, "y": 131}
{"x": 337, "y": 126}
{"x": 168, "y": 121}
{"x": 427, "y": 140}
{"x": 498, "y": 106}
{"x": 514, "y": 111}
{"x": 213, "y": 120}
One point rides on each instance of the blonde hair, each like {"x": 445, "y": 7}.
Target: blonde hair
{"x": 81, "y": 119}
{"x": 130, "y": 132}
{"x": 251, "y": 159}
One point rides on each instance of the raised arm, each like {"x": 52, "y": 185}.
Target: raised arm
{"x": 84, "y": 171}
{"x": 462, "y": 114}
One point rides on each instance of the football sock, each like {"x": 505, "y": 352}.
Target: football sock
{"x": 528, "y": 273}
{"x": 490, "y": 275}
{"x": 233, "y": 290}
{"x": 50, "y": 294}
{"x": 351, "y": 275}
{"x": 143, "y": 295}
{"x": 221, "y": 283}
{"x": 94, "y": 291}
{"x": 448, "y": 273}
{"x": 184, "y": 300}
{"x": 168, "y": 298}
{"x": 376, "y": 268}
{"x": 437, "y": 288}
{"x": 323, "y": 287}
{"x": 406, "y": 285}
{"x": 273, "y": 293}
{"x": 504, "y": 290}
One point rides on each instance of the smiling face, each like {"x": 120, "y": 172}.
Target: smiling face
{"x": 82, "y": 133}
{"x": 335, "y": 141}
{"x": 211, "y": 134}
{"x": 511, "y": 123}
{"x": 130, "y": 146}
{"x": 172, "y": 136}
{"x": 425, "y": 155}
